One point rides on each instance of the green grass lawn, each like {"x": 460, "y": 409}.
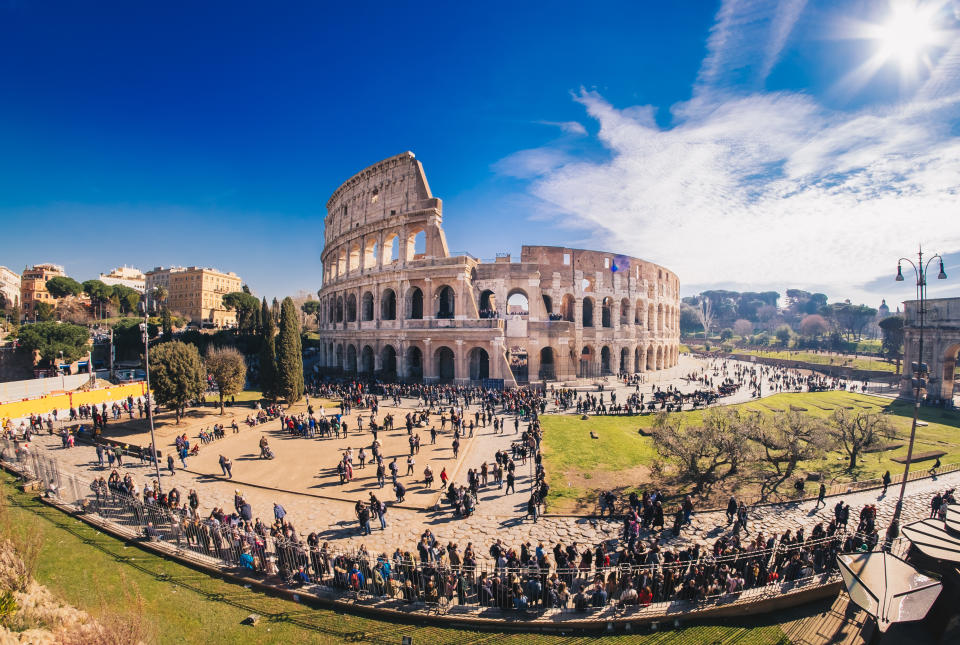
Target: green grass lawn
{"x": 843, "y": 360}
{"x": 248, "y": 396}
{"x": 96, "y": 572}
{"x": 578, "y": 467}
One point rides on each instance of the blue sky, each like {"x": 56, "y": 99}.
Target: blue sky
{"x": 744, "y": 144}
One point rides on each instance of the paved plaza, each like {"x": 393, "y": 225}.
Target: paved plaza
{"x": 302, "y": 478}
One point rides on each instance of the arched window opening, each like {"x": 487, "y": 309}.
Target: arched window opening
{"x": 606, "y": 313}
{"x": 416, "y": 245}
{"x": 548, "y": 368}
{"x": 518, "y": 304}
{"x": 548, "y": 307}
{"x": 568, "y": 308}
{"x": 414, "y": 363}
{"x": 352, "y": 308}
{"x": 488, "y": 304}
{"x": 366, "y": 360}
{"x": 586, "y": 362}
{"x": 351, "y": 365}
{"x": 446, "y": 302}
{"x": 588, "y": 312}
{"x": 445, "y": 364}
{"x": 415, "y": 304}
{"x": 388, "y": 362}
{"x": 479, "y": 364}
{"x": 388, "y": 305}
{"x": 391, "y": 249}
{"x": 370, "y": 257}
{"x": 366, "y": 307}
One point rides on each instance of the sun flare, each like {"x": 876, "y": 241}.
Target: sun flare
{"x": 907, "y": 35}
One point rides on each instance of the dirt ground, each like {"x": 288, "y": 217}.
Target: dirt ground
{"x": 303, "y": 465}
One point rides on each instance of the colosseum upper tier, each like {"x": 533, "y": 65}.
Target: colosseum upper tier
{"x": 398, "y": 304}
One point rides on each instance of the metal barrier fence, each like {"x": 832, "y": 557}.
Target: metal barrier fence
{"x": 406, "y": 580}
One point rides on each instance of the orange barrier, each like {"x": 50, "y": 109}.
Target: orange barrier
{"x": 51, "y": 402}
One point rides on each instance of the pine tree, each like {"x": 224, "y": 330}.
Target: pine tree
{"x": 289, "y": 353}
{"x": 268, "y": 355}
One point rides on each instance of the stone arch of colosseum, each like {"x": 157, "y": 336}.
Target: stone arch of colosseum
{"x": 941, "y": 344}
{"x": 395, "y": 303}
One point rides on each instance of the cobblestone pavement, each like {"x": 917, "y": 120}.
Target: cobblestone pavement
{"x": 498, "y": 515}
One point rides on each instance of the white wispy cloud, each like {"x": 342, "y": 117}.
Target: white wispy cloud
{"x": 568, "y": 127}
{"x": 745, "y": 42}
{"x": 765, "y": 188}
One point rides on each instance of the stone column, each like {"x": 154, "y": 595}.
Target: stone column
{"x": 429, "y": 365}
{"x": 461, "y": 367}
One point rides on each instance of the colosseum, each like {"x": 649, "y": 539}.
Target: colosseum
{"x": 397, "y": 304}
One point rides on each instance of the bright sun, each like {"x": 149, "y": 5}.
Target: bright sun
{"x": 908, "y": 34}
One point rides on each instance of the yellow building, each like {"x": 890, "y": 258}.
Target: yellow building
{"x": 197, "y": 293}
{"x": 33, "y": 286}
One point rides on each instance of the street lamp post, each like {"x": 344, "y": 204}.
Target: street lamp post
{"x": 145, "y": 328}
{"x": 919, "y": 381}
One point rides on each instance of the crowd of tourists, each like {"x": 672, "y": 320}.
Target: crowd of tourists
{"x": 624, "y": 570}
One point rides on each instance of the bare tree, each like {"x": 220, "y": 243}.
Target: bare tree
{"x": 859, "y": 431}
{"x": 743, "y": 328}
{"x": 788, "y": 438}
{"x": 705, "y": 314}
{"x": 701, "y": 450}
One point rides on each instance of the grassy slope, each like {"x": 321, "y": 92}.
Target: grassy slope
{"x": 568, "y": 449}
{"x": 860, "y": 363}
{"x": 92, "y": 571}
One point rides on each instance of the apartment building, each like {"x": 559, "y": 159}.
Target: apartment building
{"x": 126, "y": 276}
{"x": 196, "y": 293}
{"x": 33, "y": 286}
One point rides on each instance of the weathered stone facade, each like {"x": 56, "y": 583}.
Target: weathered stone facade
{"x": 396, "y": 303}
{"x": 941, "y": 343}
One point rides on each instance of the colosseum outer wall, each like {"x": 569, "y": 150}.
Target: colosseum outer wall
{"x": 396, "y": 304}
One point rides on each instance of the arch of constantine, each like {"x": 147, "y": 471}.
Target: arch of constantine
{"x": 941, "y": 344}
{"x": 397, "y": 304}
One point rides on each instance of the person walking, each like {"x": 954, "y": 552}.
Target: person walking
{"x": 510, "y": 483}
{"x": 742, "y": 517}
{"x": 933, "y": 469}
{"x": 364, "y": 516}
{"x": 170, "y": 464}
{"x": 226, "y": 465}
{"x": 822, "y": 494}
{"x": 886, "y": 482}
{"x": 394, "y": 470}
{"x": 731, "y": 509}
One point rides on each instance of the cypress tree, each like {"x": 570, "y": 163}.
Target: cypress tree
{"x": 289, "y": 353}
{"x": 268, "y": 355}
{"x": 255, "y": 324}
{"x": 167, "y": 324}
{"x": 275, "y": 310}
